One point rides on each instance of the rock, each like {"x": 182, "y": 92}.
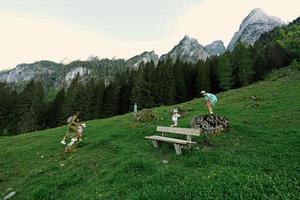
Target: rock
{"x": 165, "y": 161}
{"x": 210, "y": 123}
{"x": 62, "y": 164}
{"x": 11, "y": 194}
{"x": 42, "y": 156}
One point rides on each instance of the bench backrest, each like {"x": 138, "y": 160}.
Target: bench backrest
{"x": 182, "y": 131}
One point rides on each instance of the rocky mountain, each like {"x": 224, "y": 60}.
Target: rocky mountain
{"x": 60, "y": 74}
{"x": 256, "y": 23}
{"x": 188, "y": 49}
{"x": 57, "y": 75}
{"x": 26, "y": 72}
{"x": 144, "y": 57}
{"x": 216, "y": 47}
{"x": 65, "y": 61}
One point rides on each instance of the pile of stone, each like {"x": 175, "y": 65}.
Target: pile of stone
{"x": 210, "y": 123}
{"x": 146, "y": 115}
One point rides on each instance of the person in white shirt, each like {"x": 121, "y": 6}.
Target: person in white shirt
{"x": 175, "y": 117}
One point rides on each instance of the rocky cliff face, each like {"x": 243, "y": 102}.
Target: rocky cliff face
{"x": 26, "y": 72}
{"x": 188, "y": 49}
{"x": 251, "y": 28}
{"x": 216, "y": 47}
{"x": 144, "y": 57}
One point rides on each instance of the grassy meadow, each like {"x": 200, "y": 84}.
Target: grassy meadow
{"x": 258, "y": 158}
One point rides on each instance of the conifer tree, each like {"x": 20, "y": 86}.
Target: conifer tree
{"x": 224, "y": 71}
{"x": 180, "y": 84}
{"x": 54, "y": 110}
{"x": 111, "y": 99}
{"x": 30, "y": 108}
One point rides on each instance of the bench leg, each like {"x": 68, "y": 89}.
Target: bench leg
{"x": 189, "y": 138}
{"x": 155, "y": 143}
{"x": 177, "y": 149}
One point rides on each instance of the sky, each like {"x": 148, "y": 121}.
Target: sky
{"x": 34, "y": 30}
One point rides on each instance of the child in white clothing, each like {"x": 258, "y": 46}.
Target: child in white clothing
{"x": 175, "y": 117}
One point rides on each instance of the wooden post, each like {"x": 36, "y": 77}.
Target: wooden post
{"x": 189, "y": 138}
{"x": 177, "y": 149}
{"x": 155, "y": 143}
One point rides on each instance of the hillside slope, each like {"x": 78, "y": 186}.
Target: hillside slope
{"x": 259, "y": 158}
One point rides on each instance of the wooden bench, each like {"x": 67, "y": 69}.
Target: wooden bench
{"x": 178, "y": 143}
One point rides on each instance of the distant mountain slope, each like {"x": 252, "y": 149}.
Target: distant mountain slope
{"x": 188, "y": 49}
{"x": 144, "y": 57}
{"x": 216, "y": 47}
{"x": 256, "y": 23}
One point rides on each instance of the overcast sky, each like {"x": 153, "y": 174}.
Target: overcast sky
{"x": 35, "y": 30}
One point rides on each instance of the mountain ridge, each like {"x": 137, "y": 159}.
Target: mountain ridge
{"x": 253, "y": 25}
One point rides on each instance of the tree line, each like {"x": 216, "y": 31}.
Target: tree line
{"x": 150, "y": 85}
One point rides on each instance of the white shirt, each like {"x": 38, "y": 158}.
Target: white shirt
{"x": 175, "y": 116}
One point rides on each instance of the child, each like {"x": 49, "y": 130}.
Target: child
{"x": 79, "y": 131}
{"x": 72, "y": 127}
{"x": 175, "y": 117}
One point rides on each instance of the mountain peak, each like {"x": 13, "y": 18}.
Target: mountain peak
{"x": 65, "y": 61}
{"x": 216, "y": 47}
{"x": 186, "y": 37}
{"x": 253, "y": 25}
{"x": 256, "y": 10}
{"x": 144, "y": 57}
{"x": 188, "y": 49}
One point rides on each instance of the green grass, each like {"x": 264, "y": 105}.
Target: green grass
{"x": 259, "y": 158}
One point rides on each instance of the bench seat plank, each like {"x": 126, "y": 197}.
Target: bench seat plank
{"x": 167, "y": 139}
{"x": 182, "y": 131}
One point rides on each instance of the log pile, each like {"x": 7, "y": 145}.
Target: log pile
{"x": 210, "y": 123}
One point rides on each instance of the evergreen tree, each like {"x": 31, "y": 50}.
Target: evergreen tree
{"x": 75, "y": 100}
{"x": 54, "y": 110}
{"x": 180, "y": 85}
{"x": 224, "y": 71}
{"x": 7, "y": 109}
{"x": 98, "y": 102}
{"x": 143, "y": 93}
{"x": 111, "y": 99}
{"x": 166, "y": 82}
{"x": 213, "y": 74}
{"x": 202, "y": 81}
{"x": 30, "y": 108}
{"x": 242, "y": 64}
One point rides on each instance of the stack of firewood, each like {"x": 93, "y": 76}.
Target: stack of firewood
{"x": 210, "y": 123}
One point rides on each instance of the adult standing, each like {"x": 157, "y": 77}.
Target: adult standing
{"x": 210, "y": 99}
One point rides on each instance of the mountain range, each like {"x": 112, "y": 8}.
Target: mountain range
{"x": 188, "y": 49}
